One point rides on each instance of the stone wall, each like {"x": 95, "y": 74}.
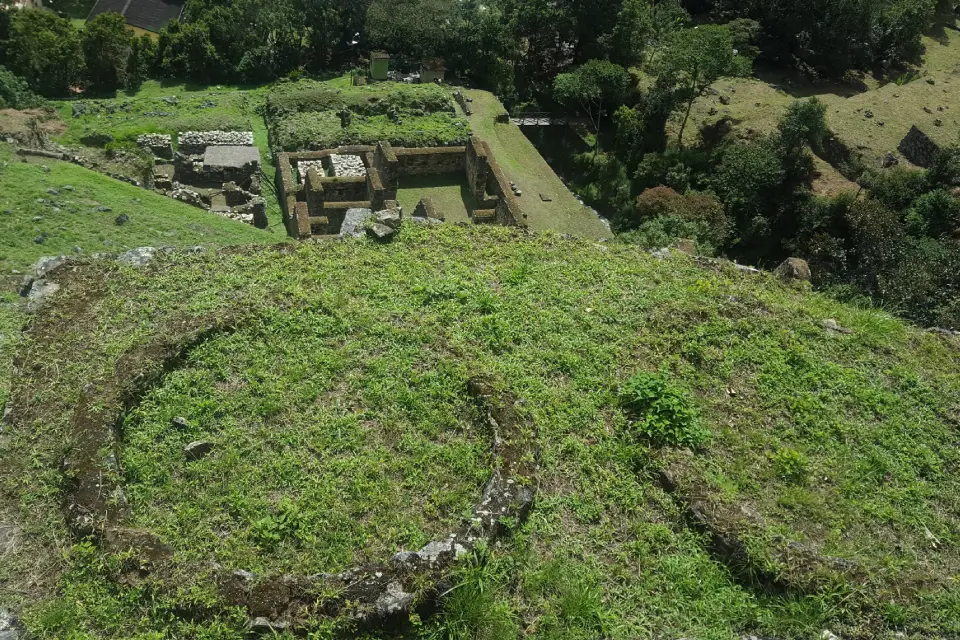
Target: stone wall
{"x": 918, "y": 148}
{"x": 196, "y": 142}
{"x": 158, "y": 144}
{"x": 489, "y": 185}
{"x": 319, "y": 204}
{"x": 463, "y": 101}
{"x": 337, "y": 189}
{"x": 430, "y": 161}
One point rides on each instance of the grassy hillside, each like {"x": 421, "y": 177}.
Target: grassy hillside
{"x": 55, "y": 210}
{"x": 870, "y": 119}
{"x": 80, "y": 214}
{"x": 719, "y": 453}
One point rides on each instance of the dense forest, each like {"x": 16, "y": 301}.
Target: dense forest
{"x": 634, "y": 68}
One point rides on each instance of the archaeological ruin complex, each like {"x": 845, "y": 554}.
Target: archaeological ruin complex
{"x": 317, "y": 189}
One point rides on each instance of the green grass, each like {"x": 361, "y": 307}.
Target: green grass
{"x": 144, "y": 111}
{"x": 332, "y": 460}
{"x": 367, "y": 100}
{"x": 523, "y": 164}
{"x": 450, "y": 194}
{"x": 305, "y": 115}
{"x": 317, "y": 130}
{"x": 154, "y": 219}
{"x": 844, "y": 442}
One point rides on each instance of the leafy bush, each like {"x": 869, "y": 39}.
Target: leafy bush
{"x": 662, "y": 211}
{"x": 944, "y": 171}
{"x": 790, "y": 464}
{"x": 935, "y": 213}
{"x": 665, "y": 231}
{"x": 601, "y": 180}
{"x": 661, "y": 412}
{"x": 15, "y": 93}
{"x": 897, "y": 187}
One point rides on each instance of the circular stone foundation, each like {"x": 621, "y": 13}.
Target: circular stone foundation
{"x": 316, "y": 467}
{"x": 287, "y": 454}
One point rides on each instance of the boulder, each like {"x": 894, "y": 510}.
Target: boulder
{"x": 197, "y": 450}
{"x": 389, "y": 217}
{"x": 381, "y": 232}
{"x": 39, "y": 293}
{"x": 793, "y": 269}
{"x": 139, "y": 257}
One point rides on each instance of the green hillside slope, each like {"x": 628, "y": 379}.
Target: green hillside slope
{"x": 50, "y": 211}
{"x": 49, "y": 208}
{"x": 719, "y": 454}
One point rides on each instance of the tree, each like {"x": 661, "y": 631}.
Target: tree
{"x": 15, "y": 93}
{"x": 46, "y": 51}
{"x": 185, "y": 51}
{"x": 642, "y": 24}
{"x": 142, "y": 62}
{"x": 592, "y": 86}
{"x": 419, "y": 28}
{"x": 107, "y": 44}
{"x": 693, "y": 60}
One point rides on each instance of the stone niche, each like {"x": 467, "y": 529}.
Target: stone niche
{"x": 918, "y": 148}
{"x": 316, "y": 204}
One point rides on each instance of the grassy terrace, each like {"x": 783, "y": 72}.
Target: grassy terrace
{"x": 306, "y": 115}
{"x": 450, "y": 194}
{"x": 336, "y": 412}
{"x": 191, "y": 109}
{"x": 70, "y": 217}
{"x": 523, "y": 164}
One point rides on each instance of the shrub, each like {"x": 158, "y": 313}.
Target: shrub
{"x": 15, "y": 93}
{"x": 944, "y": 171}
{"x": 666, "y": 230}
{"x": 790, "y": 465}
{"x": 661, "y": 412}
{"x": 935, "y": 213}
{"x": 897, "y": 187}
{"x": 699, "y": 216}
{"x": 656, "y": 202}
{"x": 601, "y": 180}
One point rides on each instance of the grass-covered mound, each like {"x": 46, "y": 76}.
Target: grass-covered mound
{"x": 328, "y": 454}
{"x": 365, "y": 100}
{"x": 306, "y": 115}
{"x": 716, "y": 458}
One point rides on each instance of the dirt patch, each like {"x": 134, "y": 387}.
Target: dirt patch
{"x": 31, "y": 127}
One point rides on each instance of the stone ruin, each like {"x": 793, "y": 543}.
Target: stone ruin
{"x": 918, "y": 148}
{"x": 317, "y": 189}
{"x": 215, "y": 170}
